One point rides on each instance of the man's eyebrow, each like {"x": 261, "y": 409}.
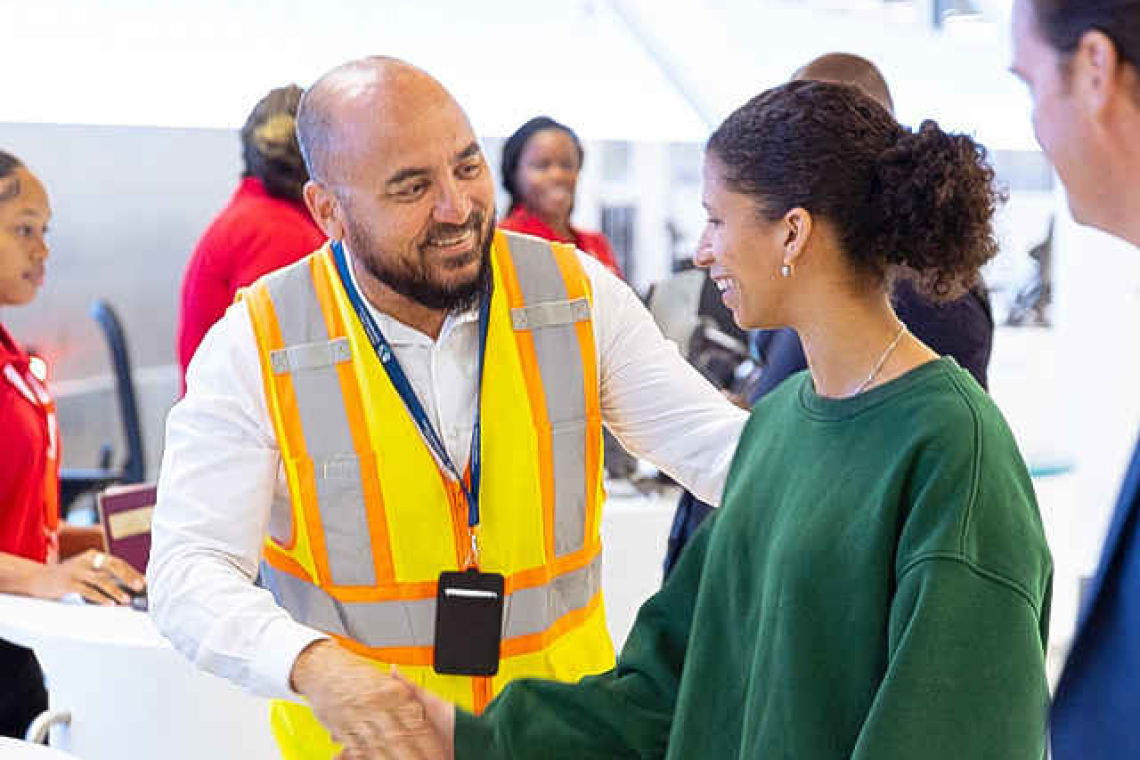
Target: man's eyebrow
{"x": 468, "y": 152}
{"x": 422, "y": 171}
{"x": 408, "y": 173}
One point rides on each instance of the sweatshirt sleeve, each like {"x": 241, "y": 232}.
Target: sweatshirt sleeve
{"x": 626, "y": 712}
{"x": 965, "y": 674}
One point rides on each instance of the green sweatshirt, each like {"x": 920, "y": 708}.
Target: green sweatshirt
{"x": 875, "y": 586}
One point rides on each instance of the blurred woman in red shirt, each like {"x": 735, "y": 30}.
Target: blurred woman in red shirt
{"x": 264, "y": 227}
{"x": 34, "y": 545}
{"x": 541, "y": 163}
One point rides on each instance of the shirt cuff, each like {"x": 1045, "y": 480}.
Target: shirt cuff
{"x": 277, "y": 649}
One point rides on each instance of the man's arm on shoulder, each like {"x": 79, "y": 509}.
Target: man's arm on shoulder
{"x": 654, "y": 401}
{"x": 218, "y": 474}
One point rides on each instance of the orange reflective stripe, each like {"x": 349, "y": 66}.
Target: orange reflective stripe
{"x": 481, "y": 694}
{"x": 536, "y": 642}
{"x": 460, "y": 531}
{"x": 392, "y": 592}
{"x": 282, "y": 402}
{"x": 528, "y": 359}
{"x": 394, "y": 655}
{"x": 540, "y": 576}
{"x": 578, "y": 286}
{"x": 278, "y": 558}
{"x": 322, "y": 268}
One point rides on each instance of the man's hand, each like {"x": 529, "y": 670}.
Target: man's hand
{"x": 440, "y": 714}
{"x": 370, "y": 713}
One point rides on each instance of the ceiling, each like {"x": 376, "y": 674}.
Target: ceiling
{"x": 616, "y": 69}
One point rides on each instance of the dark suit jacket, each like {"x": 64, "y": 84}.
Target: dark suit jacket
{"x": 1096, "y": 709}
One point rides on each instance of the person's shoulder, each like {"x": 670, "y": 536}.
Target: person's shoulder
{"x": 291, "y": 271}
{"x": 974, "y": 496}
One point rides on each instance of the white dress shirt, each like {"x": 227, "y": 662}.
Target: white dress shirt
{"x": 221, "y": 465}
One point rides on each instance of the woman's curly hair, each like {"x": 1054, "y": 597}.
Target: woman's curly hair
{"x": 917, "y": 204}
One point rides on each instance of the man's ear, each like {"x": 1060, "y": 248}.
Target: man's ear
{"x": 797, "y": 229}
{"x": 1095, "y": 71}
{"x": 325, "y": 208}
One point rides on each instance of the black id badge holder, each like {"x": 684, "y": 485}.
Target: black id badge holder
{"x": 468, "y": 623}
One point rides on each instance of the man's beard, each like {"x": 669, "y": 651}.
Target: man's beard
{"x": 417, "y": 284}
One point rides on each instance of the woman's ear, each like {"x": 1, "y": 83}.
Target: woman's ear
{"x": 797, "y": 226}
{"x": 325, "y": 208}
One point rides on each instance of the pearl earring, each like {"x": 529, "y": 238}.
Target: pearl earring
{"x": 785, "y": 270}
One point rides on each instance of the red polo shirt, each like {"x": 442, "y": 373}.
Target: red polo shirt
{"x": 522, "y": 219}
{"x": 254, "y": 235}
{"x": 24, "y": 460}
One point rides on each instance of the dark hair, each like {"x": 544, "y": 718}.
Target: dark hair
{"x": 1063, "y": 22}
{"x": 515, "y": 145}
{"x": 914, "y": 203}
{"x": 849, "y": 68}
{"x": 269, "y": 144}
{"x": 8, "y": 166}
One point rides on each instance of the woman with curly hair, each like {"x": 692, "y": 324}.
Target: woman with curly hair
{"x": 876, "y": 582}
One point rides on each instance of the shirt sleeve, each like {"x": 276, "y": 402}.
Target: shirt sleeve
{"x": 965, "y": 672}
{"x": 216, "y": 485}
{"x": 654, "y": 401}
{"x": 626, "y": 712}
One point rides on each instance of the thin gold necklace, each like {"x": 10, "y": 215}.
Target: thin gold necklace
{"x": 882, "y": 360}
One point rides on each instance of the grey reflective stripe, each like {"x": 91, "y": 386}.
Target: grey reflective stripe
{"x": 411, "y": 623}
{"x": 535, "y": 609}
{"x": 310, "y": 356}
{"x": 324, "y": 425}
{"x": 281, "y": 519}
{"x": 559, "y": 357}
{"x": 550, "y": 314}
{"x": 398, "y": 623}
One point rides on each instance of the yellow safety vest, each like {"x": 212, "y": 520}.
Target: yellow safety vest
{"x": 371, "y": 519}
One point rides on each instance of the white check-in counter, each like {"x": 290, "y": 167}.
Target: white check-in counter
{"x": 131, "y": 696}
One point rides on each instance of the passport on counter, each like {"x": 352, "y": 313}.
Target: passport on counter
{"x": 125, "y": 513}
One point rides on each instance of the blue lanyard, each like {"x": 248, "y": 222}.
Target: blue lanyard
{"x": 407, "y": 393}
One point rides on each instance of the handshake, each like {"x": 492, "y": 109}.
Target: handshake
{"x": 374, "y": 715}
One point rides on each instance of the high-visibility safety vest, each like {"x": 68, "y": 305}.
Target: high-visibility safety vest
{"x": 371, "y": 519}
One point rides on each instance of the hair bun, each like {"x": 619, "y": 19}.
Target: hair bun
{"x": 936, "y": 200}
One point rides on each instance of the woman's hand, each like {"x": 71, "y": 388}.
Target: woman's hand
{"x": 99, "y": 578}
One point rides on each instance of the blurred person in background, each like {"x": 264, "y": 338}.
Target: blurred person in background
{"x": 264, "y": 227}
{"x": 541, "y": 163}
{"x": 39, "y": 555}
{"x": 1081, "y": 63}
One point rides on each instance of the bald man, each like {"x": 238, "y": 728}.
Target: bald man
{"x": 389, "y": 454}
